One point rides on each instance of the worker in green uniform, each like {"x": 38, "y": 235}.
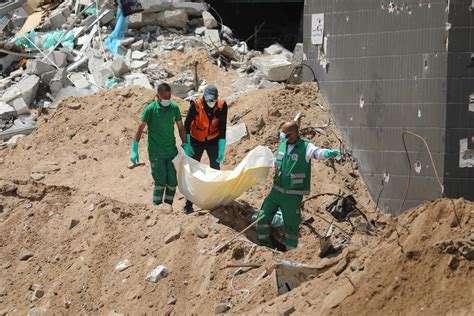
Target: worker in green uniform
{"x": 292, "y": 180}
{"x": 160, "y": 117}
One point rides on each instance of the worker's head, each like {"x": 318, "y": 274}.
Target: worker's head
{"x": 290, "y": 132}
{"x": 210, "y": 95}
{"x": 164, "y": 94}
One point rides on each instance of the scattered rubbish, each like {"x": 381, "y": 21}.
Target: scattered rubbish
{"x": 235, "y": 133}
{"x": 157, "y": 274}
{"x": 122, "y": 265}
{"x": 290, "y": 274}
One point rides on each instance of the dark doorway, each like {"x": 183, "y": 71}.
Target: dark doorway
{"x": 270, "y": 21}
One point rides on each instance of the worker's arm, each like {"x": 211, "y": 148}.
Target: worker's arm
{"x": 222, "y": 134}
{"x": 139, "y": 131}
{"x": 182, "y": 131}
{"x": 138, "y": 135}
{"x": 190, "y": 117}
{"x": 315, "y": 152}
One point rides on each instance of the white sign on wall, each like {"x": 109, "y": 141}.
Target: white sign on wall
{"x": 317, "y": 28}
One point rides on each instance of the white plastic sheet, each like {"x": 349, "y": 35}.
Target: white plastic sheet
{"x": 209, "y": 188}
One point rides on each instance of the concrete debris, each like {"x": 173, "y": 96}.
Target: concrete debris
{"x": 273, "y": 67}
{"x": 222, "y": 307}
{"x": 200, "y": 30}
{"x": 20, "y": 106}
{"x": 168, "y": 19}
{"x": 26, "y": 88}
{"x": 37, "y": 294}
{"x": 79, "y": 80}
{"x": 228, "y": 52}
{"x": 157, "y": 274}
{"x": 298, "y": 54}
{"x": 37, "y": 176}
{"x": 173, "y": 235}
{"x": 37, "y": 67}
{"x": 138, "y": 45}
{"x": 340, "y": 267}
{"x": 212, "y": 38}
{"x": 265, "y": 84}
{"x": 138, "y": 79}
{"x": 199, "y": 232}
{"x": 209, "y": 21}
{"x": 25, "y": 255}
{"x": 181, "y": 90}
{"x": 119, "y": 66}
{"x": 127, "y": 41}
{"x": 137, "y": 55}
{"x": 197, "y": 22}
{"x": 59, "y": 81}
{"x": 235, "y": 133}
{"x": 122, "y": 265}
{"x": 74, "y": 106}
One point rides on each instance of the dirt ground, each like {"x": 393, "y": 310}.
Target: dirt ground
{"x": 71, "y": 210}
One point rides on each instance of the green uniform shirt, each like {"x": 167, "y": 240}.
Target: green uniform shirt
{"x": 160, "y": 121}
{"x": 293, "y": 173}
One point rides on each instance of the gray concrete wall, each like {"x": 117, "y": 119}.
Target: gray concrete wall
{"x": 388, "y": 67}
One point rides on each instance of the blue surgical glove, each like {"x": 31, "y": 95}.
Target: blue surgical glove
{"x": 220, "y": 156}
{"x": 134, "y": 154}
{"x": 188, "y": 150}
{"x": 329, "y": 153}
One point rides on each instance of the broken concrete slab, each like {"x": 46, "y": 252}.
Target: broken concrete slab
{"x": 211, "y": 37}
{"x": 57, "y": 19}
{"x": 137, "y": 55}
{"x": 298, "y": 54}
{"x": 137, "y": 79}
{"x": 273, "y": 67}
{"x": 127, "y": 41}
{"x": 119, "y": 66}
{"x": 38, "y": 67}
{"x": 274, "y": 49}
{"x": 181, "y": 90}
{"x": 138, "y": 45}
{"x": 59, "y": 81}
{"x": 20, "y": 106}
{"x": 59, "y": 58}
{"x": 79, "y": 80}
{"x": 6, "y": 110}
{"x": 138, "y": 64}
{"x": 209, "y": 21}
{"x": 200, "y": 30}
{"x": 170, "y": 19}
{"x": 192, "y": 8}
{"x": 27, "y": 88}
{"x": 265, "y": 84}
{"x": 69, "y": 92}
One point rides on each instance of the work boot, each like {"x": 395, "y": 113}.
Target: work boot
{"x": 187, "y": 209}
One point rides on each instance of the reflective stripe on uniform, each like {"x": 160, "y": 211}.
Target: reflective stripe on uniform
{"x": 263, "y": 237}
{"x": 159, "y": 187}
{"x": 296, "y": 192}
{"x": 298, "y": 175}
{"x": 297, "y": 181}
{"x": 292, "y": 237}
{"x": 169, "y": 197}
{"x": 169, "y": 187}
{"x": 263, "y": 225}
{"x": 157, "y": 198}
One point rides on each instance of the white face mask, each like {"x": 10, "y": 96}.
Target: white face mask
{"x": 165, "y": 103}
{"x": 211, "y": 104}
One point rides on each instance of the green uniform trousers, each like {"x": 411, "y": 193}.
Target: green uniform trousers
{"x": 164, "y": 176}
{"x": 290, "y": 208}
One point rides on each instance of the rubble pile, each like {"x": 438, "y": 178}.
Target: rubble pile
{"x": 52, "y": 50}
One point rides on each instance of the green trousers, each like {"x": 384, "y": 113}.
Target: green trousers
{"x": 164, "y": 176}
{"x": 290, "y": 208}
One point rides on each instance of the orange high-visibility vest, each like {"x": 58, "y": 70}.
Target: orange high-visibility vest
{"x": 201, "y": 128}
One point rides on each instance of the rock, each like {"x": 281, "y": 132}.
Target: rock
{"x": 173, "y": 235}
{"x": 357, "y": 265}
{"x": 138, "y": 79}
{"x": 59, "y": 81}
{"x": 298, "y": 54}
{"x": 119, "y": 66}
{"x": 197, "y": 22}
{"x": 200, "y": 30}
{"x": 265, "y": 84}
{"x": 84, "y": 140}
{"x": 46, "y": 167}
{"x": 82, "y": 157}
{"x": 191, "y": 8}
{"x": 273, "y": 67}
{"x": 181, "y": 90}
{"x": 138, "y": 64}
{"x": 122, "y": 265}
{"x": 336, "y": 297}
{"x": 74, "y": 106}
{"x": 228, "y": 52}
{"x": 59, "y": 58}
{"x": 137, "y": 45}
{"x": 209, "y": 21}
{"x": 78, "y": 80}
{"x": 37, "y": 176}
{"x": 38, "y": 67}
{"x": 453, "y": 263}
{"x": 222, "y": 308}
{"x": 288, "y": 311}
{"x": 274, "y": 49}
{"x": 127, "y": 41}
{"x": 157, "y": 274}
{"x": 137, "y": 55}
{"x": 26, "y": 88}
{"x": 340, "y": 267}
{"x": 47, "y": 77}
{"x": 199, "y": 232}
{"x": 169, "y": 19}
{"x": 172, "y": 301}
{"x": 37, "y": 294}
{"x": 256, "y": 125}
{"x": 212, "y": 38}
{"x": 25, "y": 255}
{"x": 20, "y": 106}
{"x": 74, "y": 223}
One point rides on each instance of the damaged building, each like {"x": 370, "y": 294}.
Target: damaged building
{"x": 386, "y": 67}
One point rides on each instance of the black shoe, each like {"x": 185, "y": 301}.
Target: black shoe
{"x": 187, "y": 210}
